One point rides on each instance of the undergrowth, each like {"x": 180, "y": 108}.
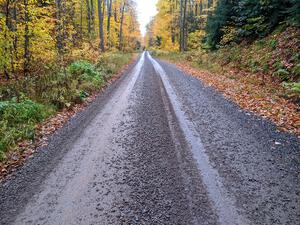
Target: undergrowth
{"x": 18, "y": 120}
{"x": 275, "y": 58}
{"x": 25, "y": 103}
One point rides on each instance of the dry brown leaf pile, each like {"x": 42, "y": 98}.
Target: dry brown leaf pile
{"x": 252, "y": 96}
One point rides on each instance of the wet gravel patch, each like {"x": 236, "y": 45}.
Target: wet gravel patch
{"x": 259, "y": 165}
{"x": 165, "y": 186}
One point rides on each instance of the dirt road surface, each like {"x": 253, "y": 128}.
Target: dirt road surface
{"x": 158, "y": 147}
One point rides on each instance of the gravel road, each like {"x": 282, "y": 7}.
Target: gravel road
{"x": 158, "y": 147}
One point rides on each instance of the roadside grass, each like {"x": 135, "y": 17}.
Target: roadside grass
{"x": 18, "y": 120}
{"x": 27, "y": 102}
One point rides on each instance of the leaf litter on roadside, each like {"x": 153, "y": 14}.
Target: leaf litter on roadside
{"x": 251, "y": 96}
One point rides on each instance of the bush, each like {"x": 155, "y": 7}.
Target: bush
{"x": 89, "y": 77}
{"x": 82, "y": 68}
{"x": 60, "y": 88}
{"x": 273, "y": 43}
{"x": 296, "y": 87}
{"x": 296, "y": 70}
{"x": 19, "y": 112}
{"x": 18, "y": 120}
{"x": 65, "y": 88}
{"x": 293, "y": 88}
{"x": 109, "y": 63}
{"x": 282, "y": 74}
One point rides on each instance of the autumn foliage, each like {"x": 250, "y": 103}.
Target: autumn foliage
{"x": 36, "y": 34}
{"x": 247, "y": 49}
{"x": 55, "y": 55}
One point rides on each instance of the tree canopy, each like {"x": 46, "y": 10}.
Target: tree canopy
{"x": 187, "y": 24}
{"x": 36, "y": 33}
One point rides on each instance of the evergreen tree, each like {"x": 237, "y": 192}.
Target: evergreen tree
{"x": 220, "y": 18}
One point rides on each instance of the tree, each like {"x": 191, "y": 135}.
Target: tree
{"x": 183, "y": 23}
{"x": 217, "y": 21}
{"x": 109, "y": 8}
{"x": 121, "y": 26}
{"x": 43, "y": 32}
{"x": 26, "y": 40}
{"x": 178, "y": 20}
{"x": 101, "y": 32}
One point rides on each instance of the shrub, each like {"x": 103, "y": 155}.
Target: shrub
{"x": 82, "y": 68}
{"x": 66, "y": 87}
{"x": 294, "y": 88}
{"x": 296, "y": 70}
{"x": 282, "y": 74}
{"x": 59, "y": 89}
{"x": 273, "y": 43}
{"x": 260, "y": 43}
{"x": 278, "y": 65}
{"x": 18, "y": 120}
{"x": 19, "y": 112}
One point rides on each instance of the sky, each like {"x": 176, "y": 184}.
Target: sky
{"x": 146, "y": 10}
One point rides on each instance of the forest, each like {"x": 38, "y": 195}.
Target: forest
{"x": 214, "y": 23}
{"x": 56, "y": 54}
{"x": 247, "y": 49}
{"x": 210, "y": 25}
{"x": 35, "y": 32}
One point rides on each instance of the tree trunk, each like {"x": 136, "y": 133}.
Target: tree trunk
{"x": 75, "y": 36}
{"x": 115, "y": 15}
{"x": 89, "y": 18}
{"x": 173, "y": 24}
{"x": 65, "y": 23}
{"x": 109, "y": 7}
{"x": 7, "y": 23}
{"x": 103, "y": 11}
{"x": 201, "y": 8}
{"x": 81, "y": 18}
{"x": 209, "y": 5}
{"x": 185, "y": 30}
{"x": 101, "y": 33}
{"x": 59, "y": 44}
{"x": 26, "y": 40}
{"x": 14, "y": 54}
{"x": 121, "y": 27}
{"x": 92, "y": 16}
{"x": 181, "y": 48}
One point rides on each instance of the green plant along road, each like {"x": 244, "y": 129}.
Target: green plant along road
{"x": 19, "y": 116}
